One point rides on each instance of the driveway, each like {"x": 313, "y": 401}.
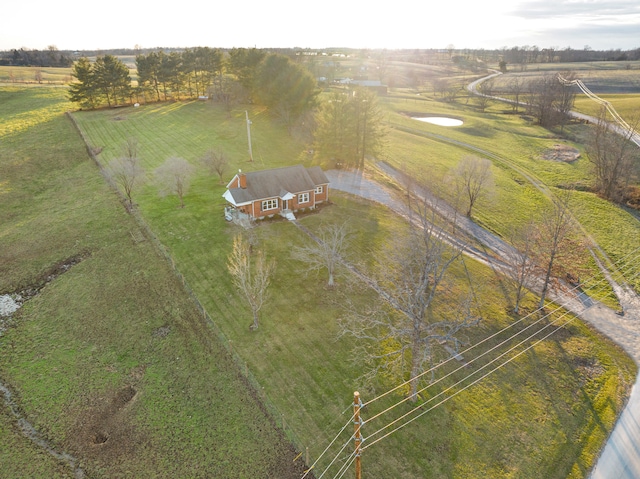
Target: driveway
{"x": 620, "y": 458}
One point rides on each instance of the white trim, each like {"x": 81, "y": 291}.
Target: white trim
{"x": 301, "y": 196}
{"x": 319, "y": 190}
{"x": 229, "y": 197}
{"x": 287, "y": 196}
{"x": 232, "y": 180}
{"x": 268, "y": 202}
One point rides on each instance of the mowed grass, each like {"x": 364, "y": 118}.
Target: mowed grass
{"x": 111, "y": 361}
{"x": 627, "y": 106}
{"x": 515, "y": 424}
{"x": 525, "y": 182}
{"x": 35, "y": 75}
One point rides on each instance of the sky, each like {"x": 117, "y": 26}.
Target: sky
{"x": 401, "y": 24}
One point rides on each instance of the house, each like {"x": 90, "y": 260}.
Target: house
{"x": 281, "y": 191}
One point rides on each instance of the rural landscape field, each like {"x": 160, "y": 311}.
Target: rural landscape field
{"x": 132, "y": 354}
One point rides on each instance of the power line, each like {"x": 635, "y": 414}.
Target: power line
{"x": 624, "y": 263}
{"x": 469, "y": 376}
{"x": 633, "y": 136}
{"x": 511, "y": 325}
{"x": 484, "y": 354}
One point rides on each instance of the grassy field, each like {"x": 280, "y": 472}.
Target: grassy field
{"x": 35, "y": 75}
{"x": 518, "y": 423}
{"x": 111, "y": 361}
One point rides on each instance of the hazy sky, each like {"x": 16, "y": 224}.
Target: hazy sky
{"x": 90, "y": 24}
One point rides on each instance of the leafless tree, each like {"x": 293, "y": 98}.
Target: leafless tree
{"x": 174, "y": 177}
{"x": 216, "y": 162}
{"x": 251, "y": 277}
{"x": 553, "y": 237}
{"x": 486, "y": 92}
{"x": 419, "y": 311}
{"x": 326, "y": 251}
{"x": 549, "y": 101}
{"x": 612, "y": 156}
{"x": 516, "y": 87}
{"x": 521, "y": 262}
{"x": 473, "y": 178}
{"x": 126, "y": 170}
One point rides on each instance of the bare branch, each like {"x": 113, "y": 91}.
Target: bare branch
{"x": 252, "y": 278}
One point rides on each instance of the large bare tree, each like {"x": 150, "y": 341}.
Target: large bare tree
{"x": 250, "y": 276}
{"x": 473, "y": 178}
{"x": 553, "y": 238}
{"x": 420, "y": 310}
{"x": 613, "y": 157}
{"x": 174, "y": 177}
{"x": 126, "y": 171}
{"x": 521, "y": 264}
{"x": 326, "y": 251}
{"x": 550, "y": 101}
{"x": 516, "y": 86}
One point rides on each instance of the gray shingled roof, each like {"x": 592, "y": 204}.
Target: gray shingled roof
{"x": 275, "y": 183}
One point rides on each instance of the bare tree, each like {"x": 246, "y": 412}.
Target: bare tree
{"x": 216, "y": 162}
{"x": 420, "y": 310}
{"x": 486, "y": 92}
{"x": 549, "y": 100}
{"x": 326, "y": 251}
{"x": 553, "y": 236}
{"x": 174, "y": 176}
{"x": 252, "y": 278}
{"x": 126, "y": 170}
{"x": 473, "y": 178}
{"x": 516, "y": 87}
{"x": 521, "y": 262}
{"x": 611, "y": 154}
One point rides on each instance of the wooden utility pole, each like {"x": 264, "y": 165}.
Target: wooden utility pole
{"x": 357, "y": 423}
{"x": 246, "y": 114}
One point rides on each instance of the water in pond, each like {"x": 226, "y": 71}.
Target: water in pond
{"x": 439, "y": 120}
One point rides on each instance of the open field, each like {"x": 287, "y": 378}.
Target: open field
{"x": 525, "y": 181}
{"x": 35, "y": 75}
{"x": 111, "y": 361}
{"x": 518, "y": 423}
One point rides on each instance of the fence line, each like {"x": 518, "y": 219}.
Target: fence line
{"x": 276, "y": 415}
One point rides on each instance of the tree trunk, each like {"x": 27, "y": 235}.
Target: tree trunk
{"x": 547, "y": 277}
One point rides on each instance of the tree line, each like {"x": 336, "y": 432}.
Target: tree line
{"x": 51, "y": 57}
{"x": 239, "y": 75}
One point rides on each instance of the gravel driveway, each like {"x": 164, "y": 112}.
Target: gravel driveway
{"x": 620, "y": 459}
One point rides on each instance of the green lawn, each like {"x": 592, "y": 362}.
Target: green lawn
{"x": 516, "y": 423}
{"x": 111, "y": 361}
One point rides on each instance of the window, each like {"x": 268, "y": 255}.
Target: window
{"x": 270, "y": 204}
{"x": 318, "y": 189}
{"x": 303, "y": 198}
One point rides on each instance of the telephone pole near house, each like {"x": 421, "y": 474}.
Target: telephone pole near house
{"x": 246, "y": 113}
{"x": 357, "y": 423}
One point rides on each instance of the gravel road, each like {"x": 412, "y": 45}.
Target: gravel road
{"x": 620, "y": 459}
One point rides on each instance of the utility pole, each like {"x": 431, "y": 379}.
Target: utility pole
{"x": 246, "y": 113}
{"x": 357, "y": 423}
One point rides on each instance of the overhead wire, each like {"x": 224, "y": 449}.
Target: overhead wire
{"x": 511, "y": 325}
{"x": 621, "y": 267}
{"x": 350, "y": 421}
{"x": 542, "y": 318}
{"x": 633, "y": 135}
{"x": 572, "y": 318}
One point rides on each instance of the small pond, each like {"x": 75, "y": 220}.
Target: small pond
{"x": 439, "y": 120}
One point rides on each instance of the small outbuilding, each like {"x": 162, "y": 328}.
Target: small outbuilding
{"x": 280, "y": 191}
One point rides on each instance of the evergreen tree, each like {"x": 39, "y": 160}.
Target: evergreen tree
{"x": 84, "y": 91}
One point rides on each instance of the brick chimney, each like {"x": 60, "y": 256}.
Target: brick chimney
{"x": 242, "y": 179}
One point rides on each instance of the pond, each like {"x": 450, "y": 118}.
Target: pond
{"x": 439, "y": 120}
